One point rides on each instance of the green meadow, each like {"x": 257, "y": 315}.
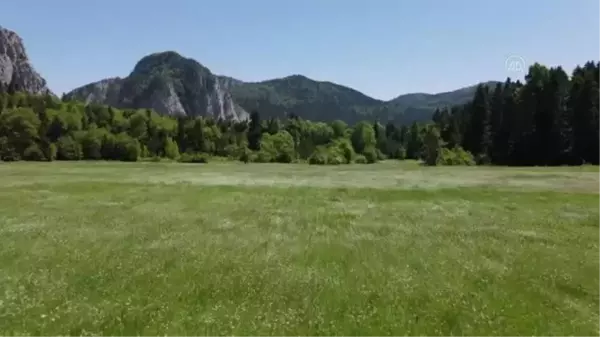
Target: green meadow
{"x": 100, "y": 248}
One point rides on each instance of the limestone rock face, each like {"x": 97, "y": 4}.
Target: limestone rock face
{"x": 168, "y": 83}
{"x": 16, "y": 71}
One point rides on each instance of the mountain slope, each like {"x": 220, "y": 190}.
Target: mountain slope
{"x": 168, "y": 83}
{"x": 301, "y": 96}
{"x": 16, "y": 71}
{"x": 174, "y": 85}
{"x": 326, "y": 101}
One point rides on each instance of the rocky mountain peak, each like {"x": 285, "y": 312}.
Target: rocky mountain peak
{"x": 169, "y": 83}
{"x": 15, "y": 69}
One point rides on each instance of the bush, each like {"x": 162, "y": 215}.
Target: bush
{"x": 342, "y": 148}
{"x": 126, "y": 148}
{"x": 33, "y": 152}
{"x": 51, "y": 152}
{"x": 336, "y": 160}
{"x": 285, "y": 158}
{"x": 193, "y": 158}
{"x": 263, "y": 157}
{"x": 68, "y": 149}
{"x": 171, "y": 149}
{"x": 370, "y": 154}
{"x": 400, "y": 153}
{"x": 456, "y": 156}
{"x": 245, "y": 155}
{"x": 360, "y": 159}
{"x": 318, "y": 157}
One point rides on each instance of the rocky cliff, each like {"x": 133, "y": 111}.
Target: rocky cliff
{"x": 16, "y": 72}
{"x": 168, "y": 83}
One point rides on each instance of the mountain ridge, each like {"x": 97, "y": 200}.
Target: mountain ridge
{"x": 173, "y": 84}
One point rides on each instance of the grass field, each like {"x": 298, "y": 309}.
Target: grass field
{"x": 228, "y": 248}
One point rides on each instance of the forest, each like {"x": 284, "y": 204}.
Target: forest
{"x": 549, "y": 118}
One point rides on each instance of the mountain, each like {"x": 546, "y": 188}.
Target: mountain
{"x": 327, "y": 101}
{"x": 174, "y": 85}
{"x": 16, "y": 71}
{"x": 304, "y": 97}
{"x": 168, "y": 83}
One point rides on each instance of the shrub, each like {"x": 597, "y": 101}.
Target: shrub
{"x": 126, "y": 148}
{"x": 319, "y": 156}
{"x": 456, "y": 156}
{"x": 263, "y": 157}
{"x": 33, "y": 152}
{"x": 245, "y": 155}
{"x": 370, "y": 154}
{"x": 343, "y": 149}
{"x": 193, "y": 158}
{"x": 360, "y": 159}
{"x": 336, "y": 160}
{"x": 284, "y": 157}
{"x": 51, "y": 152}
{"x": 400, "y": 153}
{"x": 68, "y": 149}
{"x": 171, "y": 149}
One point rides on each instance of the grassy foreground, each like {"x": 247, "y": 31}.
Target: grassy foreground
{"x": 228, "y": 248}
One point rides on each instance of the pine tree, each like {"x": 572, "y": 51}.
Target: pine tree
{"x": 479, "y": 138}
{"x": 497, "y": 111}
{"x": 254, "y": 132}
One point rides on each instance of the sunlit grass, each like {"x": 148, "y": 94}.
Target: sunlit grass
{"x": 228, "y": 248}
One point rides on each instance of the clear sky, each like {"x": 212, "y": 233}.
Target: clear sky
{"x": 381, "y": 47}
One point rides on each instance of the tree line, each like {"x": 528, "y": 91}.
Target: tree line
{"x": 44, "y": 128}
{"x": 549, "y": 119}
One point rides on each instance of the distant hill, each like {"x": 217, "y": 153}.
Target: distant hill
{"x": 174, "y": 85}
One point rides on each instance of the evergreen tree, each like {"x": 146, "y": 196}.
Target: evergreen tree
{"x": 478, "y": 137}
{"x": 254, "y": 131}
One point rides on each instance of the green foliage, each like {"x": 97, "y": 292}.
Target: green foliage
{"x": 370, "y": 154}
{"x": 456, "y": 156}
{"x": 433, "y": 146}
{"x": 400, "y": 153}
{"x": 363, "y": 136}
{"x": 18, "y": 132}
{"x": 549, "y": 119}
{"x": 342, "y": 148}
{"x": 360, "y": 159}
{"x": 68, "y": 149}
{"x": 246, "y": 155}
{"x": 126, "y": 148}
{"x": 52, "y": 152}
{"x": 193, "y": 158}
{"x": 278, "y": 147}
{"x": 263, "y": 156}
{"x": 319, "y": 157}
{"x": 171, "y": 149}
{"x": 91, "y": 143}
{"x": 33, "y": 153}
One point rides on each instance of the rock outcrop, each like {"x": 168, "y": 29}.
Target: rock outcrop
{"x": 168, "y": 83}
{"x": 16, "y": 72}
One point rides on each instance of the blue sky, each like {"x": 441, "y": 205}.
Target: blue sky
{"x": 381, "y": 47}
